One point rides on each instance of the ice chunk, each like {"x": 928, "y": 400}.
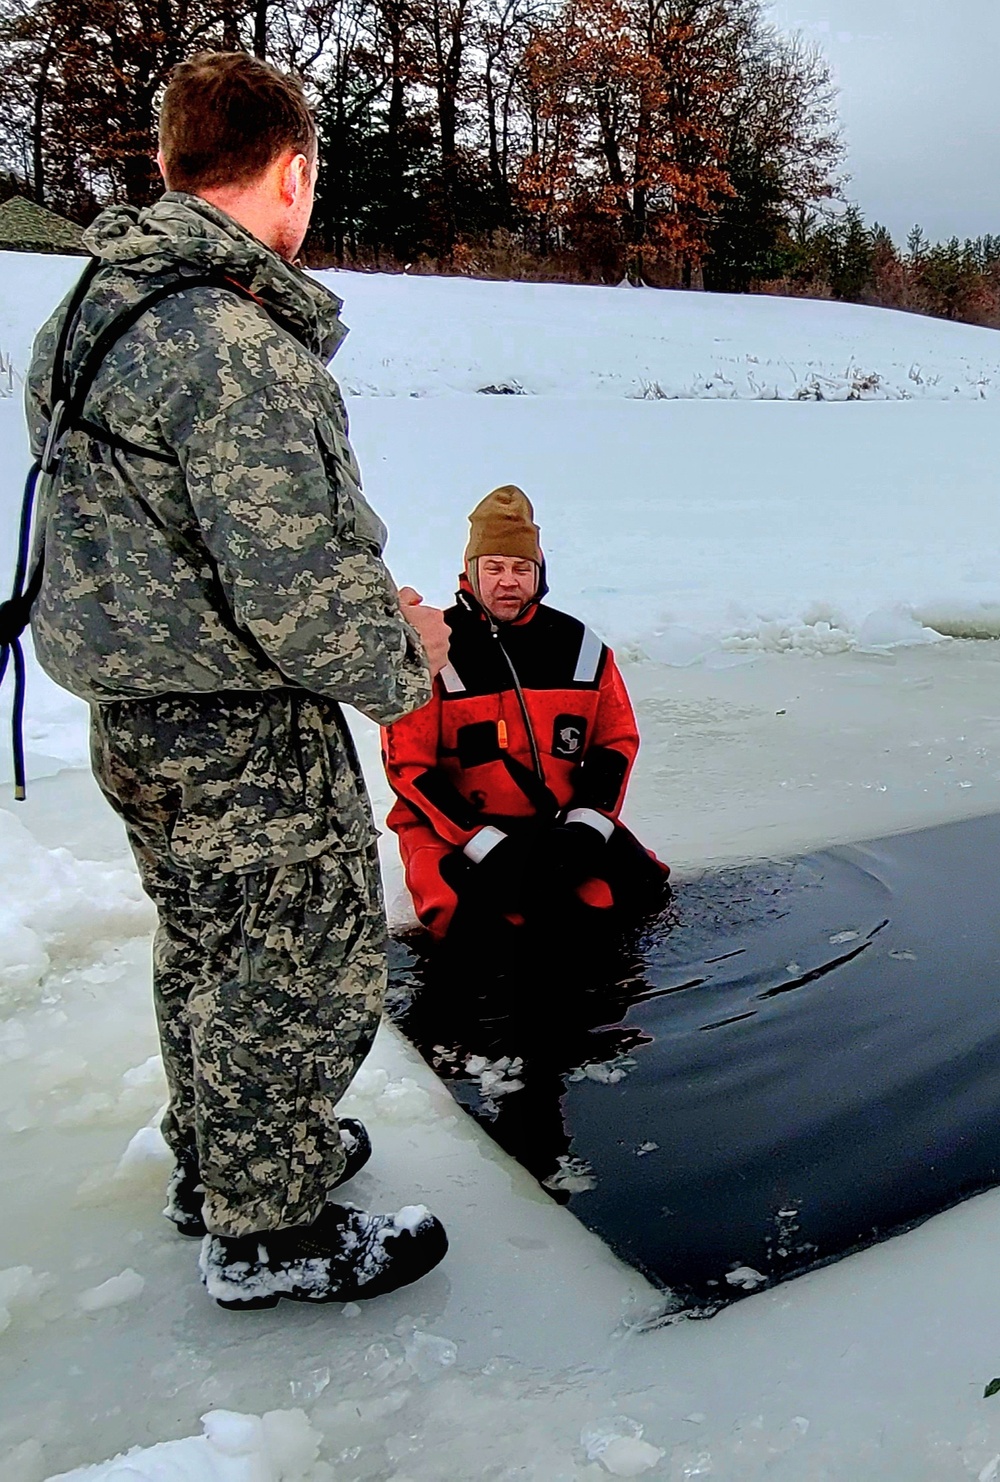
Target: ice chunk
{"x": 678, "y": 647}
{"x": 573, "y": 1176}
{"x": 745, "y": 1277}
{"x": 231, "y": 1433}
{"x": 595, "y": 1439}
{"x": 311, "y": 1385}
{"x": 20, "y": 1288}
{"x": 147, "y": 1148}
{"x": 495, "y": 1077}
{"x": 279, "y": 1446}
{"x": 291, "y": 1443}
{"x": 428, "y": 1355}
{"x": 374, "y": 1097}
{"x": 149, "y": 1073}
{"x": 894, "y": 628}
{"x": 124, "y": 1287}
{"x": 57, "y": 907}
{"x": 627, "y": 1456}
{"x": 606, "y": 1072}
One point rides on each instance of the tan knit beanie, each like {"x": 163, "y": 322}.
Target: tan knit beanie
{"x": 503, "y": 524}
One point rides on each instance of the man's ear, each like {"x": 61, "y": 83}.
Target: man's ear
{"x": 161, "y": 165}
{"x": 294, "y": 181}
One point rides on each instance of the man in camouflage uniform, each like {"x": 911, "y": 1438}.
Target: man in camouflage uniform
{"x": 213, "y": 586}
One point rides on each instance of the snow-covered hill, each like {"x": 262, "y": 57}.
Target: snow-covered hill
{"x": 439, "y": 336}
{"x": 777, "y": 579}
{"x": 430, "y": 336}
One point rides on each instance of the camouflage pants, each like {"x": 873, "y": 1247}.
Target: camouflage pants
{"x": 268, "y": 982}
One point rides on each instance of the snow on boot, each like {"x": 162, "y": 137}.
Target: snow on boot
{"x": 346, "y": 1255}
{"x": 186, "y": 1192}
{"x": 185, "y": 1195}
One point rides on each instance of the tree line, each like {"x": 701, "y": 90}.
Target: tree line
{"x": 840, "y": 256}
{"x": 672, "y": 142}
{"x": 662, "y": 139}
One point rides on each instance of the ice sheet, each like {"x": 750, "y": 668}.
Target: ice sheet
{"x": 719, "y": 547}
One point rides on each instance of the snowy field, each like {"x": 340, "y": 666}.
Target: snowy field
{"x": 798, "y": 591}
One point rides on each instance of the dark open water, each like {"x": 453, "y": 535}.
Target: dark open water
{"x": 797, "y": 1059}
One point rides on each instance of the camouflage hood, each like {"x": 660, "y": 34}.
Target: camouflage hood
{"x": 183, "y": 233}
{"x": 207, "y": 531}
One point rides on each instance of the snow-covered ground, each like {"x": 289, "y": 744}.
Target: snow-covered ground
{"x": 777, "y": 579}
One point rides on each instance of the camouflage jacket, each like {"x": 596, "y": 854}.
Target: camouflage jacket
{"x": 242, "y": 555}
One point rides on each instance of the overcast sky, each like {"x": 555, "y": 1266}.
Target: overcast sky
{"x": 920, "y": 106}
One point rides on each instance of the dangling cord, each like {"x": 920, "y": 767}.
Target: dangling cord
{"x": 16, "y": 611}
{"x": 14, "y": 615}
{"x": 17, "y": 722}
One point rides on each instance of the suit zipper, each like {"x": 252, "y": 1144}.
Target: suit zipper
{"x": 535, "y": 757}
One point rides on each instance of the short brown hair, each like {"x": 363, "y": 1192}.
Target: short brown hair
{"x": 226, "y": 116}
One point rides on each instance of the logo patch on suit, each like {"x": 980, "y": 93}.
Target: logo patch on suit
{"x": 568, "y": 736}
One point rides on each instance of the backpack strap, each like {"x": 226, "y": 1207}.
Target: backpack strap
{"x": 67, "y": 402}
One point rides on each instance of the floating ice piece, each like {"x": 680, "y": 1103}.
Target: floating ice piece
{"x": 496, "y": 1077}
{"x": 573, "y": 1176}
{"x": 646, "y": 1147}
{"x": 840, "y": 937}
{"x": 745, "y": 1277}
{"x": 124, "y": 1287}
{"x": 606, "y": 1072}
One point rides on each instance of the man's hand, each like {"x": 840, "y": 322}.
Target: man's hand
{"x": 499, "y": 876}
{"x": 429, "y": 622}
{"x": 574, "y": 852}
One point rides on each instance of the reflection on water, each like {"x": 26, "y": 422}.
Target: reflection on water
{"x": 794, "y": 1059}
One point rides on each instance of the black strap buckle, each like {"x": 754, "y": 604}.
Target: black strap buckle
{"x": 49, "y": 461}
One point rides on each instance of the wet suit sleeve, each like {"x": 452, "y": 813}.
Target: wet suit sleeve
{"x": 410, "y": 752}
{"x": 298, "y": 552}
{"x": 602, "y": 777}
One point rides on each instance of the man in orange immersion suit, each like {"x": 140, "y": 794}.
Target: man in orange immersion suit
{"x": 509, "y": 782}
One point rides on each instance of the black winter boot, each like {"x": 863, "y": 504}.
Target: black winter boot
{"x": 344, "y": 1256}
{"x": 186, "y": 1192}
